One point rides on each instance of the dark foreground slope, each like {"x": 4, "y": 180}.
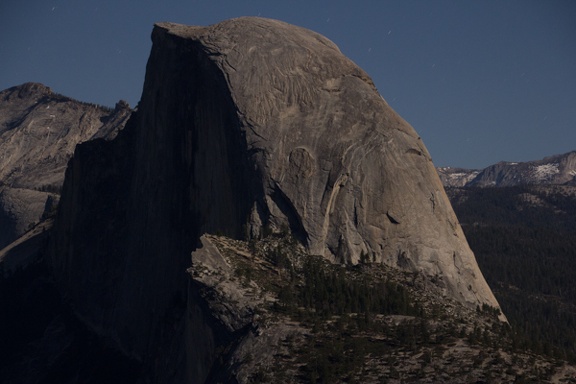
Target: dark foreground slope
{"x": 44, "y": 342}
{"x": 266, "y": 311}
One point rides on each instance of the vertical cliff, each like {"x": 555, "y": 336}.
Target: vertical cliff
{"x": 135, "y": 207}
{"x": 244, "y": 128}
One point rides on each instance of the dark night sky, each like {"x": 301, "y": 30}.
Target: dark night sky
{"x": 481, "y": 81}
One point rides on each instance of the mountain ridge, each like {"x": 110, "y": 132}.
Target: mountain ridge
{"x": 555, "y": 169}
{"x": 39, "y": 130}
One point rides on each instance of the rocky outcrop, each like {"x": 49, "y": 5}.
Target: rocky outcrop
{"x": 259, "y": 311}
{"x": 39, "y": 130}
{"x": 245, "y": 128}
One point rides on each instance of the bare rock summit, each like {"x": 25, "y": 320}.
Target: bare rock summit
{"x": 329, "y": 158}
{"x": 245, "y": 128}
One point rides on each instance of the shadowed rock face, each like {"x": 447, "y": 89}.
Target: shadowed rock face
{"x": 245, "y": 127}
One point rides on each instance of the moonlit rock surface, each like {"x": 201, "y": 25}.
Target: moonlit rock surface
{"x": 332, "y": 160}
{"x": 246, "y": 127}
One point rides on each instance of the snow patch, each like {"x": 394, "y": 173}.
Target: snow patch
{"x": 466, "y": 176}
{"x": 545, "y": 171}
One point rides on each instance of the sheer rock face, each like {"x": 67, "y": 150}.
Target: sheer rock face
{"x": 38, "y": 132}
{"x": 245, "y": 127}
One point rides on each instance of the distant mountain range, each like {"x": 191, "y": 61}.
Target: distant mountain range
{"x": 557, "y": 170}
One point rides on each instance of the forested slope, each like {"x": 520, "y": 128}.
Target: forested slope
{"x": 524, "y": 241}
